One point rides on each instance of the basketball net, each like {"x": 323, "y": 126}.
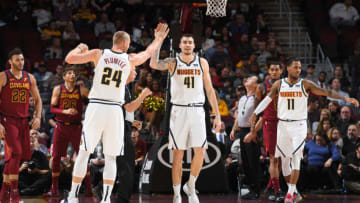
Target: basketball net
{"x": 216, "y": 8}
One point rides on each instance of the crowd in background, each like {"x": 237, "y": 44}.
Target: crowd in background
{"x": 237, "y": 46}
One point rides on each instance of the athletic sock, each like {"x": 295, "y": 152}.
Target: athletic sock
{"x": 176, "y": 188}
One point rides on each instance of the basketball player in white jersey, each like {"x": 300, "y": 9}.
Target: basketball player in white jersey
{"x": 292, "y": 93}
{"x": 104, "y": 118}
{"x": 189, "y": 76}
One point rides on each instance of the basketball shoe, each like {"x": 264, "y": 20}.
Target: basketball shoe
{"x": 192, "y": 197}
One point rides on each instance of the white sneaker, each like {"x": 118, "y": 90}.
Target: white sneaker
{"x": 192, "y": 198}
{"x": 72, "y": 200}
{"x": 177, "y": 199}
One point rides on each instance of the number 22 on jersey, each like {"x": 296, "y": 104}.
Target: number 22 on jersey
{"x": 114, "y": 75}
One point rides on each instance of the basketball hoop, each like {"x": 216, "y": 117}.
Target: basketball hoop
{"x": 216, "y": 8}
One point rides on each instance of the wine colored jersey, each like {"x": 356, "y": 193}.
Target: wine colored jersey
{"x": 270, "y": 113}
{"x": 68, "y": 100}
{"x": 14, "y": 97}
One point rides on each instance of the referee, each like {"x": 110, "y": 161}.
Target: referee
{"x": 249, "y": 149}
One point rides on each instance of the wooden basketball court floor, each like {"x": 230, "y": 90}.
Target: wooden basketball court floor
{"x": 207, "y": 199}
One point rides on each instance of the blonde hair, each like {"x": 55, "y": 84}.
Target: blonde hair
{"x": 120, "y": 36}
{"x": 330, "y": 132}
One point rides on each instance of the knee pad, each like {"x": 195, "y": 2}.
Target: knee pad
{"x": 285, "y": 166}
{"x": 295, "y": 163}
{"x": 109, "y": 168}
{"x": 81, "y": 163}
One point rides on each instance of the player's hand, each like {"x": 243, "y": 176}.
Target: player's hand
{"x": 23, "y": 166}
{"x": 232, "y": 135}
{"x": 2, "y": 131}
{"x": 146, "y": 92}
{"x": 35, "y": 123}
{"x": 83, "y": 47}
{"x": 352, "y": 101}
{"x": 70, "y": 111}
{"x": 217, "y": 124}
{"x": 251, "y": 136}
{"x": 132, "y": 75}
{"x": 252, "y": 119}
{"x": 161, "y": 31}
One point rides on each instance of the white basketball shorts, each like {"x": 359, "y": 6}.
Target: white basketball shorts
{"x": 291, "y": 137}
{"x": 187, "y": 128}
{"x": 103, "y": 121}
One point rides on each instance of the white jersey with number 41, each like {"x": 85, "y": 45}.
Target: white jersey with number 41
{"x": 187, "y": 85}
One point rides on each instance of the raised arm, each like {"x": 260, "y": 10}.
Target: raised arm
{"x": 161, "y": 32}
{"x": 81, "y": 54}
{"x": 315, "y": 89}
{"x": 36, "y": 121}
{"x": 166, "y": 64}
{"x": 210, "y": 92}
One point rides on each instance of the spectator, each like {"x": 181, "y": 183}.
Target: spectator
{"x": 70, "y": 33}
{"x": 350, "y": 170}
{"x": 54, "y": 51}
{"x": 262, "y": 54}
{"x": 343, "y": 14}
{"x": 339, "y": 73}
{"x": 345, "y": 119}
{"x": 104, "y": 26}
{"x": 334, "y": 109}
{"x": 321, "y": 81}
{"x": 321, "y": 156}
{"x": 56, "y": 79}
{"x": 274, "y": 49}
{"x": 208, "y": 40}
{"x": 41, "y": 147}
{"x": 106, "y": 42}
{"x": 62, "y": 12}
{"x": 145, "y": 39}
{"x": 34, "y": 176}
{"x": 350, "y": 140}
{"x": 42, "y": 15}
{"x": 220, "y": 56}
{"x": 336, "y": 86}
{"x": 259, "y": 26}
{"x": 223, "y": 109}
{"x": 324, "y": 114}
{"x": 51, "y": 31}
{"x": 254, "y": 44}
{"x": 335, "y": 137}
{"x": 101, "y": 5}
{"x": 140, "y": 152}
{"x": 83, "y": 16}
{"x": 324, "y": 126}
{"x": 313, "y": 111}
{"x": 243, "y": 48}
{"x": 42, "y": 77}
{"x": 310, "y": 73}
{"x": 239, "y": 75}
{"x": 239, "y": 27}
{"x": 144, "y": 81}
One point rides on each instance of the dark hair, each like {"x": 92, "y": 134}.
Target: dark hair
{"x": 312, "y": 99}
{"x": 69, "y": 68}
{"x": 186, "y": 35}
{"x": 290, "y": 60}
{"x": 311, "y": 66}
{"x": 13, "y": 52}
{"x": 322, "y": 72}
